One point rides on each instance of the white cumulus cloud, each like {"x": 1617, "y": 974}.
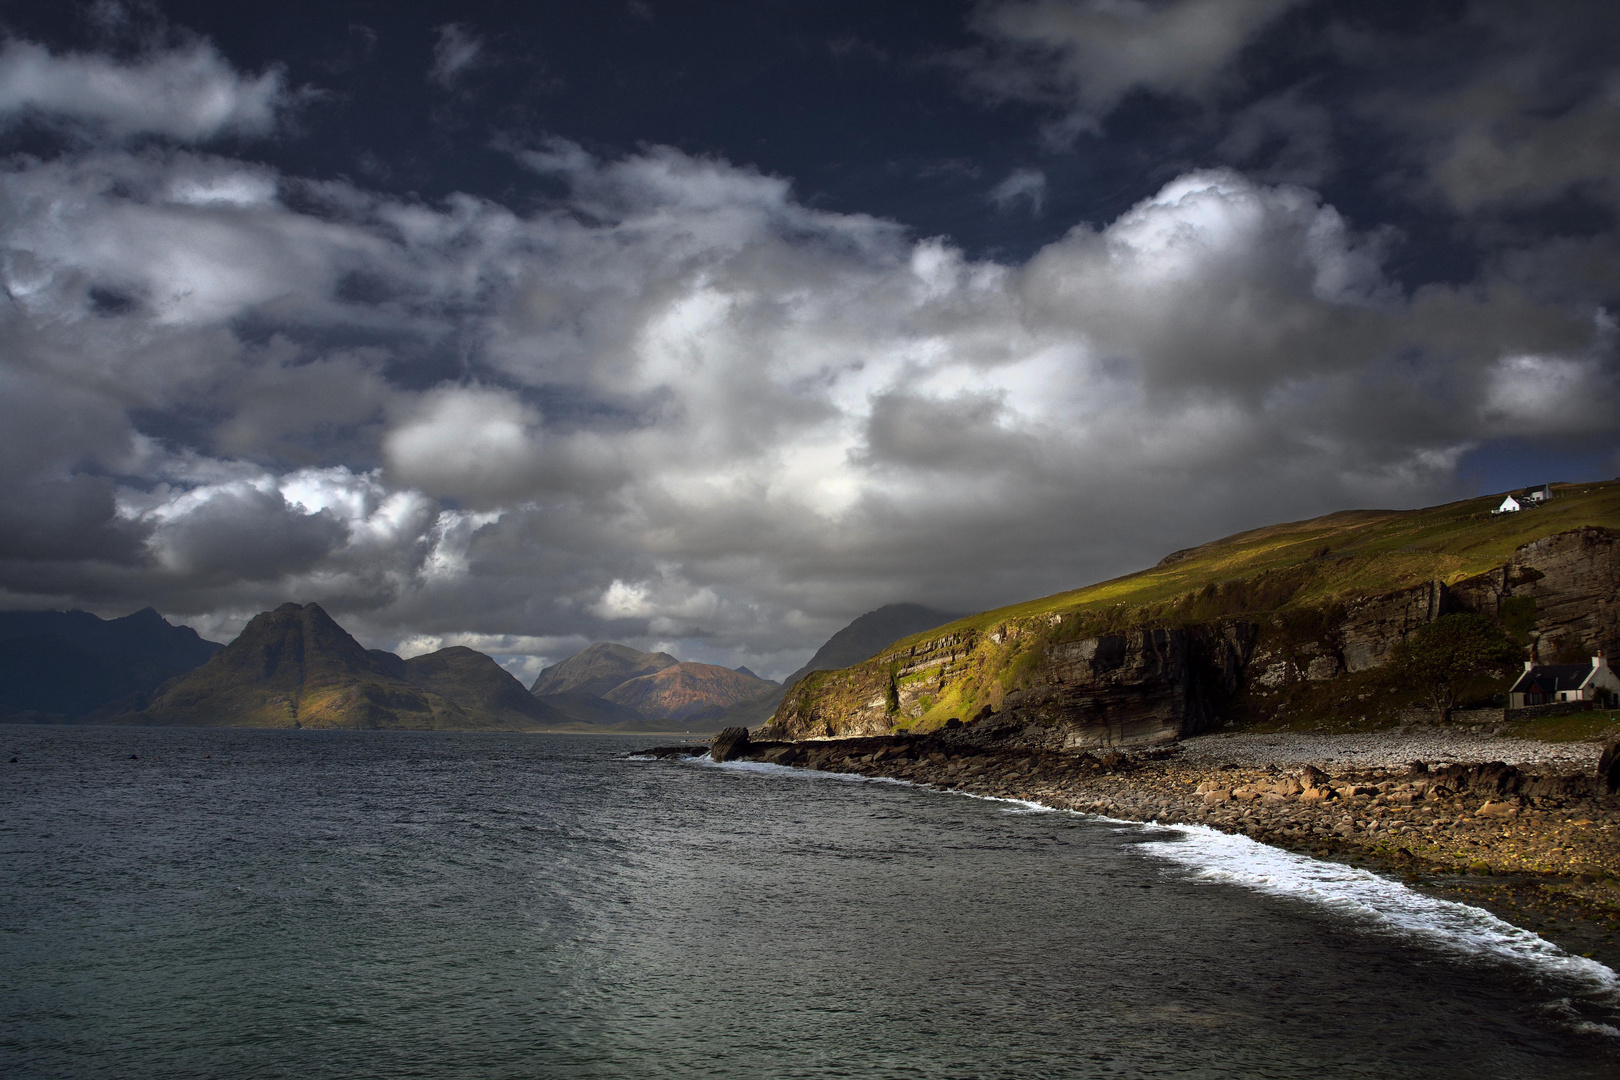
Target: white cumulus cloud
{"x": 190, "y": 93}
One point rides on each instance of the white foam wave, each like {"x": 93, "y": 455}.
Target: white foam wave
{"x": 1374, "y": 901}
{"x": 789, "y": 770}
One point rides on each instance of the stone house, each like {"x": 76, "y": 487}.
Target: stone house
{"x": 1547, "y": 684}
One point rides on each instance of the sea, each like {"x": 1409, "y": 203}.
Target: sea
{"x": 221, "y": 903}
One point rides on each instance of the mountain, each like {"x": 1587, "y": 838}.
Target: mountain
{"x": 869, "y": 633}
{"x": 583, "y": 708}
{"x": 65, "y": 664}
{"x": 599, "y": 669}
{"x": 296, "y": 667}
{"x": 690, "y": 692}
{"x": 476, "y": 682}
{"x": 1290, "y": 623}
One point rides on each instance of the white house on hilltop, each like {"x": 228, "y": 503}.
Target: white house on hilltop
{"x": 1528, "y": 497}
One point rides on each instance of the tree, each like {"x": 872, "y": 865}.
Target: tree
{"x": 1444, "y": 656}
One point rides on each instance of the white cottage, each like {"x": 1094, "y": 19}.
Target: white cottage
{"x": 1510, "y": 505}
{"x": 1545, "y": 684}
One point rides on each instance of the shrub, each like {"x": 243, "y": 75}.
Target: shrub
{"x": 1443, "y": 657}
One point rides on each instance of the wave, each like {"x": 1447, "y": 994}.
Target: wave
{"x": 1379, "y": 903}
{"x": 1360, "y": 896}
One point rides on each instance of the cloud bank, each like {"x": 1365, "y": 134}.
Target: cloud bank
{"x": 677, "y": 405}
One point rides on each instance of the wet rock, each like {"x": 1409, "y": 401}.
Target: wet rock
{"x": 1609, "y": 767}
{"x": 781, "y": 755}
{"x": 686, "y": 750}
{"x": 730, "y": 744}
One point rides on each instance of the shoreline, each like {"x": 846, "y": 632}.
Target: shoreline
{"x": 1516, "y": 827}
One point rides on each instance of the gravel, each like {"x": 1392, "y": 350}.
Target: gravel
{"x": 1385, "y": 750}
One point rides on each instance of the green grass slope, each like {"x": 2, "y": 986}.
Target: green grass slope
{"x": 1311, "y": 563}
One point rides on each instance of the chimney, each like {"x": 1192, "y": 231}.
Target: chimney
{"x": 1529, "y": 664}
{"x": 1598, "y": 661}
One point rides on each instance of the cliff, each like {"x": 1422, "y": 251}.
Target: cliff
{"x": 868, "y": 633}
{"x": 1289, "y": 617}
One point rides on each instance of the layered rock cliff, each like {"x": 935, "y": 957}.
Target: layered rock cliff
{"x": 1042, "y": 677}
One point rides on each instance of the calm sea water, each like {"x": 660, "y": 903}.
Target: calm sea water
{"x": 304, "y": 904}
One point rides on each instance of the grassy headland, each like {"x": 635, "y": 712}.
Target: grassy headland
{"x": 1293, "y": 580}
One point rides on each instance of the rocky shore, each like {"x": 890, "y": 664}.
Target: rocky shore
{"x": 1527, "y": 830}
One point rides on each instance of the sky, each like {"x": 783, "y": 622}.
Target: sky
{"x": 707, "y": 327}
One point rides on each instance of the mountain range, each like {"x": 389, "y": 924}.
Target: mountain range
{"x": 64, "y": 665}
{"x": 296, "y": 667}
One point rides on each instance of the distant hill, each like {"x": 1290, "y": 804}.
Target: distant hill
{"x": 691, "y": 692}
{"x": 598, "y": 669}
{"x": 613, "y": 686}
{"x": 62, "y": 665}
{"x": 869, "y": 633}
{"x": 296, "y": 667}
{"x": 583, "y": 708}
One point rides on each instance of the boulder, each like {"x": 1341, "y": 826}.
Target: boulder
{"x": 780, "y": 755}
{"x": 1609, "y": 767}
{"x": 730, "y": 744}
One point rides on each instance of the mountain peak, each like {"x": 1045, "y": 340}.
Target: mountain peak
{"x": 296, "y": 667}
{"x": 598, "y": 669}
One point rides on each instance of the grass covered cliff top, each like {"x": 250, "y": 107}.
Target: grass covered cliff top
{"x": 1316, "y": 562}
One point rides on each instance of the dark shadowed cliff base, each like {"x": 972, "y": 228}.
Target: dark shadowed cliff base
{"x": 1537, "y": 842}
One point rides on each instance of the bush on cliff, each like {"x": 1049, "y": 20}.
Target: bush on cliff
{"x": 1442, "y": 657}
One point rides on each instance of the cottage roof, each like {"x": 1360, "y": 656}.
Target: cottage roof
{"x": 1551, "y": 678}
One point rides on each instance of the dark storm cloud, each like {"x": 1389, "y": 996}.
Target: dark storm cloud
{"x": 663, "y": 395}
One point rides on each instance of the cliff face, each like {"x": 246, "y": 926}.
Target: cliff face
{"x": 869, "y": 633}
{"x": 1565, "y": 589}
{"x": 1145, "y": 685}
{"x": 1149, "y": 683}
